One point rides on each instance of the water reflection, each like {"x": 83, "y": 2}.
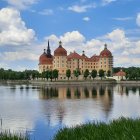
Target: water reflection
{"x": 74, "y": 92}
{"x": 44, "y": 110}
{"x": 90, "y": 100}
{"x": 126, "y": 89}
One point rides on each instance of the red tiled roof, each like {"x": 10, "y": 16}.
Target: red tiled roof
{"x": 44, "y": 59}
{"x": 105, "y": 53}
{"x": 95, "y": 58}
{"x": 74, "y": 55}
{"x": 60, "y": 51}
{"x": 120, "y": 73}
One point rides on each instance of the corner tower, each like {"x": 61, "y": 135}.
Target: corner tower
{"x": 106, "y": 59}
{"x": 46, "y": 60}
{"x": 60, "y": 59}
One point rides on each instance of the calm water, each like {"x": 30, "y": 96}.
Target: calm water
{"x": 43, "y": 111}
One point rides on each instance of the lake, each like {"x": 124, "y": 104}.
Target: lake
{"x": 42, "y": 111}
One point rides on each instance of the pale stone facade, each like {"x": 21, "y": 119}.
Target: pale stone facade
{"x": 61, "y": 61}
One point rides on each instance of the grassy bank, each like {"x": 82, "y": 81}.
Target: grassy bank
{"x": 122, "y": 129}
{"x": 7, "y": 135}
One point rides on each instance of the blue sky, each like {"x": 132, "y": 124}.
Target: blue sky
{"x": 26, "y": 25}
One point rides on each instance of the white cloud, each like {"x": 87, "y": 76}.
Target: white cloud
{"x": 73, "y": 36}
{"x": 3, "y": 65}
{"x": 117, "y": 39}
{"x": 23, "y": 55}
{"x": 93, "y": 46}
{"x": 126, "y": 61}
{"x": 86, "y": 19}
{"x": 46, "y": 12}
{"x": 123, "y": 19}
{"x": 21, "y": 4}
{"x": 13, "y": 30}
{"x": 81, "y": 8}
{"x": 138, "y": 19}
{"x": 118, "y": 43}
{"x": 71, "y": 41}
{"x": 106, "y": 2}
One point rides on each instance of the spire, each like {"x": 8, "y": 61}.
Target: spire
{"x": 83, "y": 52}
{"x": 60, "y": 43}
{"x": 105, "y": 46}
{"x": 48, "y": 44}
{"x": 48, "y": 49}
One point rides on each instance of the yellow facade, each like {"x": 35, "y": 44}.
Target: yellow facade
{"x": 61, "y": 61}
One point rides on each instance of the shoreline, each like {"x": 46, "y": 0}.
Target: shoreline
{"x": 72, "y": 83}
{"x": 69, "y": 83}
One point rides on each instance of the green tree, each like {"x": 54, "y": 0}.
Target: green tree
{"x": 94, "y": 73}
{"x": 43, "y": 75}
{"x": 55, "y": 74}
{"x": 108, "y": 73}
{"x": 76, "y": 73}
{"x": 51, "y": 75}
{"x": 127, "y": 73}
{"x": 68, "y": 73}
{"x": 116, "y": 69}
{"x": 86, "y": 73}
{"x": 47, "y": 74}
{"x": 101, "y": 73}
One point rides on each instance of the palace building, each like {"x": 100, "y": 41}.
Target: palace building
{"x": 62, "y": 61}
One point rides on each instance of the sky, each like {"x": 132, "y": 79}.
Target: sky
{"x": 27, "y": 25}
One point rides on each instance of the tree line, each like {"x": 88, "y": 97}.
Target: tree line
{"x": 132, "y": 73}
{"x": 18, "y": 75}
{"x": 48, "y": 74}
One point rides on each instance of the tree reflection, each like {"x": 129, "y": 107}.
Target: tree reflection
{"x": 86, "y": 92}
{"x": 68, "y": 93}
{"x": 127, "y": 91}
{"x": 77, "y": 93}
{"x": 101, "y": 91}
{"x": 134, "y": 89}
{"x": 47, "y": 93}
{"x": 101, "y": 95}
{"x": 94, "y": 92}
{"x": 110, "y": 93}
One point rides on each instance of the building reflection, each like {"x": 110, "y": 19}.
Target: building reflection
{"x": 126, "y": 89}
{"x": 101, "y": 94}
{"x": 75, "y": 92}
{"x": 74, "y": 102}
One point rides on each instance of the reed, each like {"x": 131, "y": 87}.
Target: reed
{"x": 121, "y": 129}
{"x": 7, "y": 135}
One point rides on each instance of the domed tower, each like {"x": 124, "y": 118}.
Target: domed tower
{"x": 106, "y": 60}
{"x": 60, "y": 59}
{"x": 46, "y": 60}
